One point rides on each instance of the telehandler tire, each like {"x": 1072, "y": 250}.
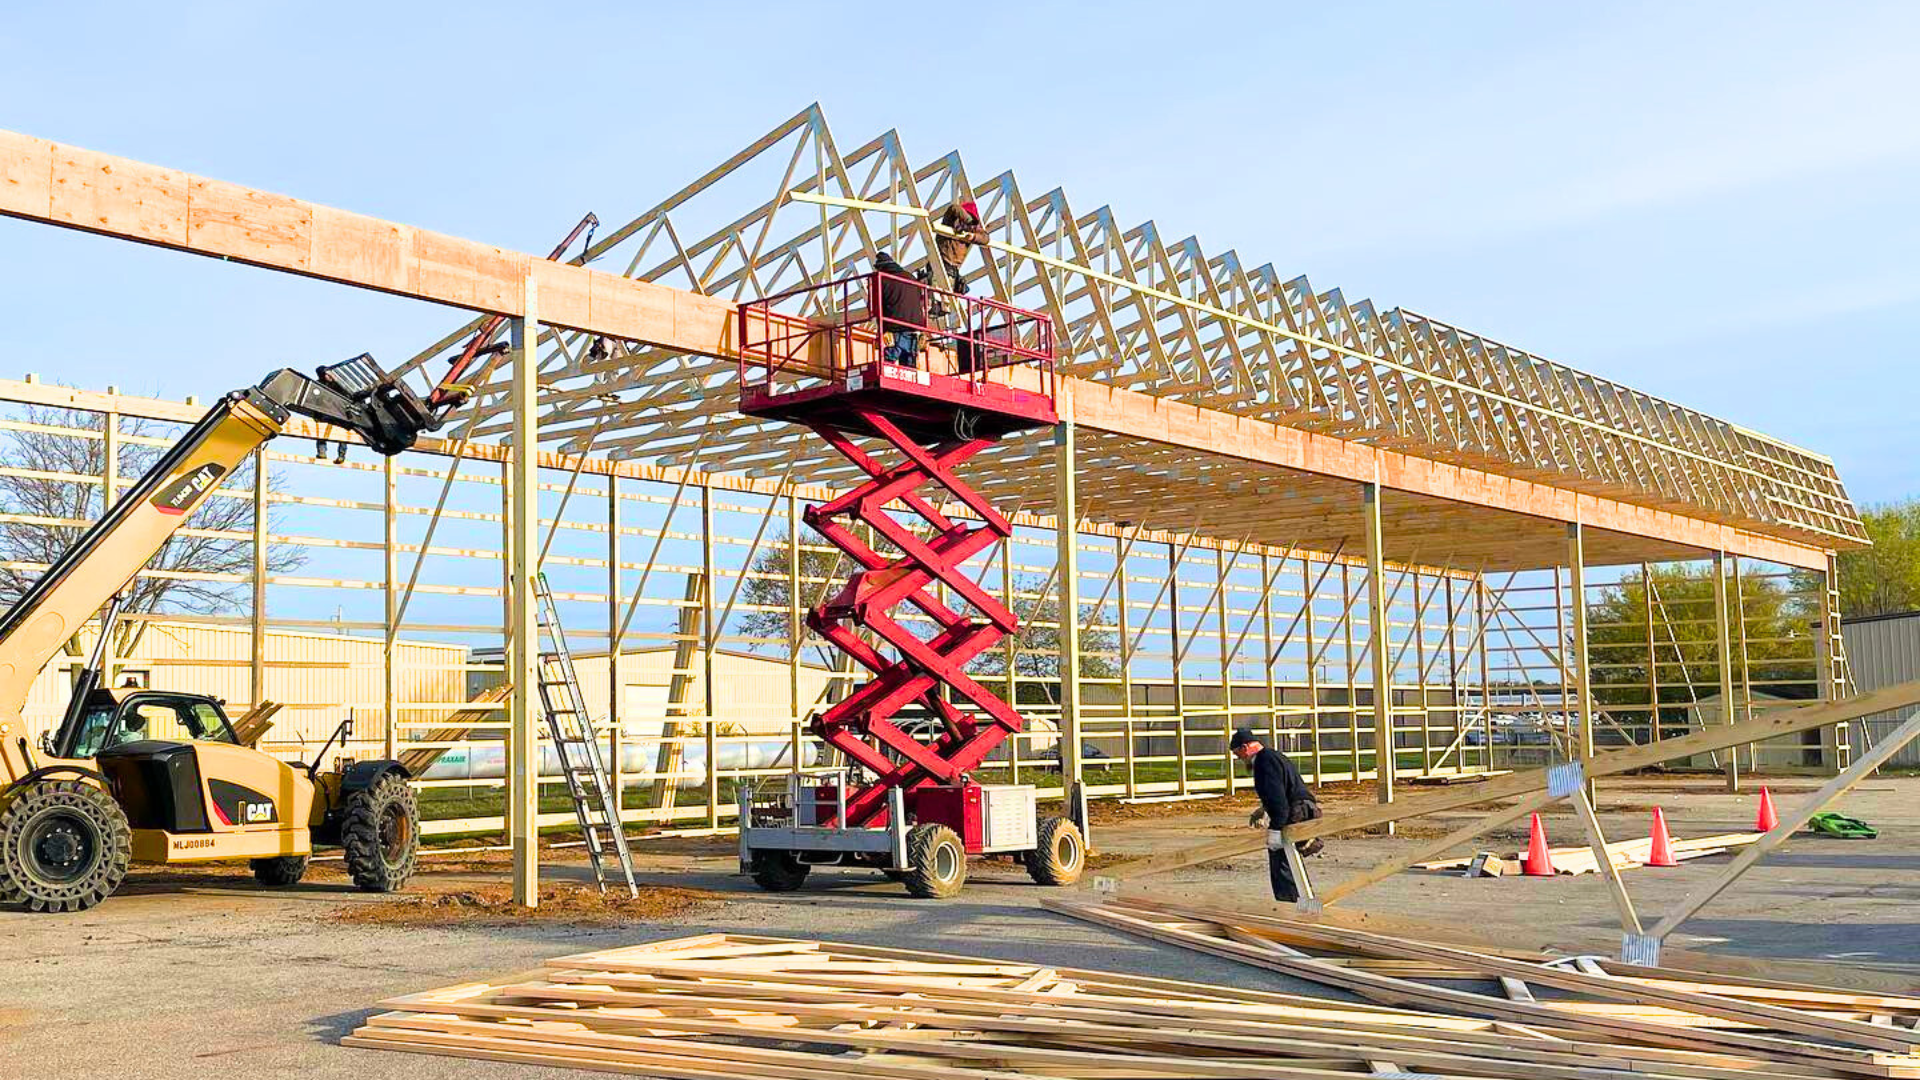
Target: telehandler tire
{"x": 381, "y": 832}
{"x": 279, "y": 871}
{"x": 64, "y": 846}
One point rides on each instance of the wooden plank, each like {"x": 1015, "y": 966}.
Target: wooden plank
{"x": 1601, "y": 986}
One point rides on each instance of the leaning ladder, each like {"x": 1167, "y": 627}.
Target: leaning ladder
{"x": 581, "y": 761}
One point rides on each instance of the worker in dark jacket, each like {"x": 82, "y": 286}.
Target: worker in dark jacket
{"x": 961, "y": 230}
{"x": 1284, "y": 800}
{"x": 903, "y": 311}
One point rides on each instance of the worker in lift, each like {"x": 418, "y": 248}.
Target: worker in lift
{"x": 903, "y": 311}
{"x": 1285, "y": 800}
{"x": 962, "y": 230}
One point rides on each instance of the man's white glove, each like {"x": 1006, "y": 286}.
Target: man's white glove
{"x": 1258, "y": 818}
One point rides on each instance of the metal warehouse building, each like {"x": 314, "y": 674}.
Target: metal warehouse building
{"x": 1885, "y": 651}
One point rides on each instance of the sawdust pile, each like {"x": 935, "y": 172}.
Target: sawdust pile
{"x": 492, "y": 905}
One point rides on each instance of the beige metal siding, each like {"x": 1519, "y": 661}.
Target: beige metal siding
{"x": 318, "y": 677}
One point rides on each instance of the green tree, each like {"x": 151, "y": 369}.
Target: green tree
{"x": 1037, "y": 657}
{"x": 1778, "y": 643}
{"x": 1884, "y": 578}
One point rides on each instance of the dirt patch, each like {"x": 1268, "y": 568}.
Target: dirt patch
{"x": 493, "y": 906}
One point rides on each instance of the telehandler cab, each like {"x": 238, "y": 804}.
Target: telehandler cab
{"x": 137, "y": 775}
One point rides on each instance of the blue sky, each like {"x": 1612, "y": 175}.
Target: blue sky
{"x": 1713, "y": 201}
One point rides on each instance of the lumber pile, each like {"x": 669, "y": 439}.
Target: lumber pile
{"x": 722, "y": 1005}
{"x": 1624, "y": 854}
{"x": 1598, "y": 1014}
{"x": 248, "y": 730}
{"x": 457, "y": 727}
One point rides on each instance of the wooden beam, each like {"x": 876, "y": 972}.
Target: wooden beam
{"x": 1831, "y": 790}
{"x": 80, "y": 189}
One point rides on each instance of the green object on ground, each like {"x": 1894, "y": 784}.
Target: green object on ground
{"x": 1842, "y": 826}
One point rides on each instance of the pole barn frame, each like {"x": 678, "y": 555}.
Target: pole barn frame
{"x": 1206, "y": 405}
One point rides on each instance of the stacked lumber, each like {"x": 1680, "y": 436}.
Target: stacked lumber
{"x": 248, "y": 730}
{"x": 735, "y": 1006}
{"x": 1598, "y": 1012}
{"x": 456, "y": 727}
{"x": 1624, "y": 854}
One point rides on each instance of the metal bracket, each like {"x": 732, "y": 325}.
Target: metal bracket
{"x": 1565, "y": 779}
{"x": 1640, "y": 949}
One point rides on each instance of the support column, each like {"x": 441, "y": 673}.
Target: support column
{"x": 1724, "y": 639}
{"x": 109, "y": 492}
{"x": 1582, "y": 677}
{"x": 794, "y": 631}
{"x": 616, "y": 665}
{"x": 1836, "y": 744}
{"x": 1066, "y": 519}
{"x": 1378, "y": 637}
{"x": 257, "y": 620}
{"x": 523, "y": 648}
{"x": 709, "y": 639}
{"x": 390, "y": 595}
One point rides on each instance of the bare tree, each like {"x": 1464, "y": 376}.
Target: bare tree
{"x": 47, "y": 506}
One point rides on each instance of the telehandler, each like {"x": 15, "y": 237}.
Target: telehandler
{"x": 151, "y": 776}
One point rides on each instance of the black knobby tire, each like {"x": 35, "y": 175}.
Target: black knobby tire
{"x": 64, "y": 846}
{"x": 279, "y": 871}
{"x": 381, "y": 832}
{"x": 1059, "y": 853}
{"x": 937, "y": 861}
{"x": 778, "y": 871}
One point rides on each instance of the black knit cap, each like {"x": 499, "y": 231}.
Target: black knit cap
{"x": 1241, "y": 737}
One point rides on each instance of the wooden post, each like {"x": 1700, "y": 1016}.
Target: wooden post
{"x": 1121, "y": 549}
{"x": 1480, "y": 616}
{"x": 1221, "y": 572}
{"x": 1268, "y": 578}
{"x": 523, "y": 651}
{"x": 109, "y": 494}
{"x": 390, "y": 597}
{"x": 1066, "y": 519}
{"x": 1179, "y": 683}
{"x": 709, "y": 640}
{"x": 1346, "y": 658}
{"x": 257, "y": 622}
{"x": 1307, "y": 590}
{"x": 1724, "y": 641}
{"x": 1653, "y": 656}
{"x": 616, "y": 662}
{"x": 1582, "y": 676}
{"x": 797, "y": 745}
{"x": 1384, "y": 757}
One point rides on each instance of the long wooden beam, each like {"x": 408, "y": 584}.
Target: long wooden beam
{"x": 73, "y": 188}
{"x": 1770, "y": 725}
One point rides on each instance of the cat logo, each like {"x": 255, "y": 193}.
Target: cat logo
{"x": 178, "y": 496}
{"x": 256, "y": 812}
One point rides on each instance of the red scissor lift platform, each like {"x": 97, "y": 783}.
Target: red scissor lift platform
{"x": 977, "y": 371}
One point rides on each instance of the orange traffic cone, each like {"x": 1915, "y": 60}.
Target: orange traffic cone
{"x": 1661, "y": 854}
{"x": 1767, "y": 820}
{"x": 1539, "y": 860}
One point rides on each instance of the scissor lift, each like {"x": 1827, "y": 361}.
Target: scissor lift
{"x": 819, "y": 357}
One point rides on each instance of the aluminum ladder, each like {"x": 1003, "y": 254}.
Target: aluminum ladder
{"x": 581, "y": 760}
